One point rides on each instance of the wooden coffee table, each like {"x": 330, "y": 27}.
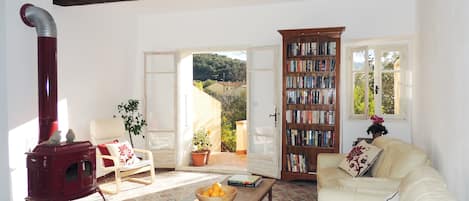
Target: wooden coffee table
{"x": 254, "y": 194}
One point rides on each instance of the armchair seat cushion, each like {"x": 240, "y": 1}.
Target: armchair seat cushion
{"x": 139, "y": 164}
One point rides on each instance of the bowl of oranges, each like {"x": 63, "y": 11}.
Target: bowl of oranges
{"x": 216, "y": 192}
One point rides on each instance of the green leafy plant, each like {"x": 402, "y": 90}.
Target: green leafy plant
{"x": 201, "y": 140}
{"x": 133, "y": 119}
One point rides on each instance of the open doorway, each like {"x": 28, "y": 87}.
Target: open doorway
{"x": 169, "y": 110}
{"x": 219, "y": 102}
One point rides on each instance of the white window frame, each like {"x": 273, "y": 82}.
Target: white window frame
{"x": 403, "y": 48}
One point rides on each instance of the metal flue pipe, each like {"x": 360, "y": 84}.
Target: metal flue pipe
{"x": 47, "y": 67}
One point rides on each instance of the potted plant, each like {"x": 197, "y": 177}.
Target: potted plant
{"x": 376, "y": 128}
{"x": 133, "y": 119}
{"x": 201, "y": 147}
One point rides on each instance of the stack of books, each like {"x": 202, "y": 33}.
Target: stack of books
{"x": 245, "y": 180}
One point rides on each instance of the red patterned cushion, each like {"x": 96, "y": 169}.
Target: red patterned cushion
{"x": 360, "y": 158}
{"x": 124, "y": 152}
{"x": 104, "y": 151}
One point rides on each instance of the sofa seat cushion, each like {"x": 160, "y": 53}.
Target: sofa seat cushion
{"x": 328, "y": 194}
{"x": 329, "y": 177}
{"x": 369, "y": 185}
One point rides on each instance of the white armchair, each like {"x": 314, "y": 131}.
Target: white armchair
{"x": 106, "y": 131}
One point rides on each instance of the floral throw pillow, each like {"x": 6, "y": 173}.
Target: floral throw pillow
{"x": 360, "y": 159}
{"x": 124, "y": 152}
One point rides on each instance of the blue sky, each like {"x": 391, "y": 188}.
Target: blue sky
{"x": 241, "y": 55}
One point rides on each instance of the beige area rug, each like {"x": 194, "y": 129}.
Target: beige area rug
{"x": 182, "y": 185}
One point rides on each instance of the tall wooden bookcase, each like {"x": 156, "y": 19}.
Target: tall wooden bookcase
{"x": 310, "y": 92}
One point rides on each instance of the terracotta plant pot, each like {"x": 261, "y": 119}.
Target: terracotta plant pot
{"x": 199, "y": 158}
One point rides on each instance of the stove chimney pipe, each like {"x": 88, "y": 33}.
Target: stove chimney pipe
{"x": 47, "y": 67}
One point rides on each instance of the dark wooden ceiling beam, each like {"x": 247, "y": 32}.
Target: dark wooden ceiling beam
{"x": 83, "y": 2}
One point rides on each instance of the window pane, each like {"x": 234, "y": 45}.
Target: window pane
{"x": 358, "y": 61}
{"x": 371, "y": 94}
{"x": 371, "y": 59}
{"x": 390, "y": 93}
{"x": 359, "y": 87}
{"x": 390, "y": 60}
{"x": 371, "y": 82}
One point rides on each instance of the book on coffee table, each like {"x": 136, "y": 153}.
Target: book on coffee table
{"x": 245, "y": 180}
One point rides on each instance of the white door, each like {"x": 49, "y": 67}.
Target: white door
{"x": 263, "y": 131}
{"x": 160, "y": 107}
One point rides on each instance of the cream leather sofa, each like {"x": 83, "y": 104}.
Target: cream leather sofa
{"x": 400, "y": 167}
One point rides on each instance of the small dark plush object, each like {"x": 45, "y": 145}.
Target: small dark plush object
{"x": 377, "y": 128}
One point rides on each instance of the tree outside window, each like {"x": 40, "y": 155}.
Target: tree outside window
{"x": 376, "y": 80}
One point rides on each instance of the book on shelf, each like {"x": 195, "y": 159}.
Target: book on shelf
{"x": 245, "y": 180}
{"x": 296, "y": 163}
{"x": 312, "y": 138}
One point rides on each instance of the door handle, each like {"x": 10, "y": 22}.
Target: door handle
{"x": 275, "y": 115}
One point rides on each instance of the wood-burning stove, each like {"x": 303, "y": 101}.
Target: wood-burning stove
{"x": 61, "y": 172}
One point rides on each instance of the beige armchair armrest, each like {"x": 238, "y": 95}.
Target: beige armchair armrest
{"x": 328, "y": 160}
{"x": 148, "y": 154}
{"x": 115, "y": 160}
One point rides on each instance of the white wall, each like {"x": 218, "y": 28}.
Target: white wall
{"x": 441, "y": 89}
{"x": 258, "y": 25}
{"x": 96, "y": 62}
{"x": 21, "y": 78}
{"x": 5, "y": 193}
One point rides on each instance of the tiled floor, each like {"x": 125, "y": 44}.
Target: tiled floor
{"x": 181, "y": 185}
{"x": 222, "y": 162}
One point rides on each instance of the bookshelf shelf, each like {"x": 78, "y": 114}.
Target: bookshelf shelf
{"x": 310, "y": 92}
{"x": 311, "y": 57}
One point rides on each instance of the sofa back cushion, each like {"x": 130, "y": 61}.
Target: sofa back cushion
{"x": 424, "y": 184}
{"x": 397, "y": 158}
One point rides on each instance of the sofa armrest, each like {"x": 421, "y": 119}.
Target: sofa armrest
{"x": 328, "y": 160}
{"x": 370, "y": 184}
{"x": 333, "y": 194}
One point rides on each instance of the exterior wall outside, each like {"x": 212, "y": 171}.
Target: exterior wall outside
{"x": 207, "y": 115}
{"x": 441, "y": 94}
{"x": 241, "y": 136}
{"x": 216, "y": 88}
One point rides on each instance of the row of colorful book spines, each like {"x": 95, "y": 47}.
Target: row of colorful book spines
{"x": 296, "y": 163}
{"x": 310, "y": 117}
{"x": 310, "y": 81}
{"x": 314, "y": 138}
{"x": 311, "y": 97}
{"x": 312, "y": 48}
{"x": 311, "y": 65}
